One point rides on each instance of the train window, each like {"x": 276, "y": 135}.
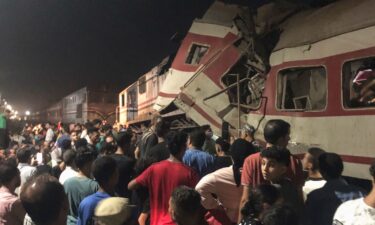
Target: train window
{"x": 196, "y": 53}
{"x": 122, "y": 100}
{"x": 358, "y": 83}
{"x": 302, "y": 89}
{"x": 142, "y": 85}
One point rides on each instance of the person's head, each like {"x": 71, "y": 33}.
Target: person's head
{"x": 207, "y": 131}
{"x": 64, "y": 142}
{"x": 222, "y": 147}
{"x": 84, "y": 160}
{"x": 44, "y": 200}
{"x": 48, "y": 125}
{"x": 105, "y": 172}
{"x": 9, "y": 175}
{"x": 330, "y": 165}
{"x": 94, "y": 135}
{"x": 248, "y": 132}
{"x": 261, "y": 198}
{"x": 113, "y": 211}
{"x": 108, "y": 148}
{"x": 275, "y": 162}
{"x": 97, "y": 123}
{"x": 197, "y": 138}
{"x": 106, "y": 129}
{"x": 277, "y": 132}
{"x": 155, "y": 119}
{"x": 82, "y": 142}
{"x": 124, "y": 140}
{"x": 310, "y": 161}
{"x": 239, "y": 150}
{"x": 69, "y": 158}
{"x": 185, "y": 205}
{"x": 74, "y": 136}
{"x": 280, "y": 215}
{"x": 162, "y": 128}
{"x": 24, "y": 155}
{"x": 176, "y": 142}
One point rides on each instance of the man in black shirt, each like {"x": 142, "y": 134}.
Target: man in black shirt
{"x": 160, "y": 151}
{"x": 125, "y": 164}
{"x": 222, "y": 159}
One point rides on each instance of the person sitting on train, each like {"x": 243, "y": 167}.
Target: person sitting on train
{"x": 321, "y": 204}
{"x": 359, "y": 211}
{"x": 364, "y": 85}
{"x": 310, "y": 164}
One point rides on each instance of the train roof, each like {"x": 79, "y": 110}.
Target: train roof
{"x": 314, "y": 25}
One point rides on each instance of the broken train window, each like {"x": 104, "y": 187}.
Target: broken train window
{"x": 196, "y": 53}
{"x": 251, "y": 85}
{"x": 302, "y": 89}
{"x": 142, "y": 85}
{"x": 358, "y": 83}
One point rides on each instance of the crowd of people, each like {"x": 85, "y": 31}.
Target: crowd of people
{"x": 96, "y": 173}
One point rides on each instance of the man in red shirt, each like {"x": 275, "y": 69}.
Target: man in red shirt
{"x": 163, "y": 177}
{"x": 276, "y": 133}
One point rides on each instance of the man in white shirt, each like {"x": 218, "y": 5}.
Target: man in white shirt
{"x": 24, "y": 156}
{"x": 360, "y": 211}
{"x": 69, "y": 172}
{"x": 50, "y": 134}
{"x": 310, "y": 163}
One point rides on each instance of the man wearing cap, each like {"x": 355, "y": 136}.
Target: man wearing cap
{"x": 113, "y": 211}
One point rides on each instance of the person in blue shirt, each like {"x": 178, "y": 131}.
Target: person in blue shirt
{"x": 195, "y": 157}
{"x": 106, "y": 174}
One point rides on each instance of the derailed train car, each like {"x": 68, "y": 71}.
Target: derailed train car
{"x": 307, "y": 74}
{"x": 311, "y": 67}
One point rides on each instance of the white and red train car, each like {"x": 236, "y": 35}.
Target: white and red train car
{"x": 307, "y": 79}
{"x": 137, "y": 100}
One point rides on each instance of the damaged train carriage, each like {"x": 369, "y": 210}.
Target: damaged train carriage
{"x": 300, "y": 66}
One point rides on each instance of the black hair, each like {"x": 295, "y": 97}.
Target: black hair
{"x": 43, "y": 198}
{"x": 240, "y": 150}
{"x": 82, "y": 142}
{"x": 162, "y": 128}
{"x": 84, "y": 156}
{"x": 175, "y": 142}
{"x": 224, "y": 145}
{"x": 372, "y": 170}
{"x": 330, "y": 165}
{"x": 280, "y": 215}
{"x": 123, "y": 139}
{"x": 24, "y": 154}
{"x": 206, "y": 127}
{"x": 185, "y": 202}
{"x": 91, "y": 130}
{"x": 281, "y": 156}
{"x": 106, "y": 127}
{"x": 65, "y": 144}
{"x": 275, "y": 129}
{"x": 69, "y": 157}
{"x": 264, "y": 193}
{"x": 315, "y": 153}
{"x": 8, "y": 171}
{"x": 96, "y": 121}
{"x": 103, "y": 169}
{"x": 197, "y": 138}
{"x": 108, "y": 148}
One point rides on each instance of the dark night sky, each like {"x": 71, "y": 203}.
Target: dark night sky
{"x": 49, "y": 48}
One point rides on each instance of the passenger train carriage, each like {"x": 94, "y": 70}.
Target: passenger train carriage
{"x": 312, "y": 68}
